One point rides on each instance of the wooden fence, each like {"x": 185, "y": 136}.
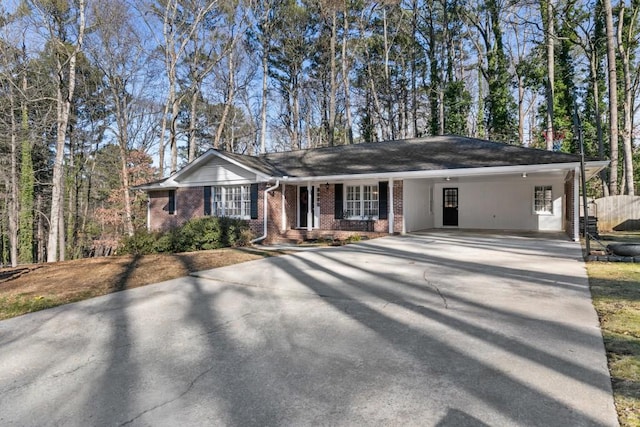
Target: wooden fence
{"x": 616, "y": 212}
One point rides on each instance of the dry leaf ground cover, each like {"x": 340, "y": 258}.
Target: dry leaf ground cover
{"x": 36, "y": 287}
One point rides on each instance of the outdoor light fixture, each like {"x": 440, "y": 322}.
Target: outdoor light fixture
{"x": 447, "y": 179}
{"x": 524, "y": 174}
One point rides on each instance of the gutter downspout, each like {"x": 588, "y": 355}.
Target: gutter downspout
{"x": 266, "y": 194}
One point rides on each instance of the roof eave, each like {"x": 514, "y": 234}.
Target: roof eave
{"x": 172, "y": 182}
{"x": 443, "y": 173}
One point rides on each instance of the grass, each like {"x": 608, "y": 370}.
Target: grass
{"x": 37, "y": 287}
{"x": 615, "y": 289}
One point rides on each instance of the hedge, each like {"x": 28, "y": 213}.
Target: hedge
{"x": 196, "y": 234}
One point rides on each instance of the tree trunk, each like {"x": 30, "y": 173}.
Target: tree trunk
{"x": 613, "y": 98}
{"x": 40, "y": 240}
{"x": 173, "y": 131}
{"x": 480, "y": 126}
{"x": 296, "y": 116}
{"x": 593, "y": 61}
{"x": 624, "y": 52}
{"x": 63, "y": 109}
{"x": 13, "y": 207}
{"x": 332, "y": 79}
{"x": 123, "y": 139}
{"x": 521, "y": 112}
{"x": 414, "y": 61}
{"x": 27, "y": 179}
{"x": 229, "y": 101}
{"x": 345, "y": 76}
{"x": 263, "y": 104}
{"x": 550, "y": 82}
{"x": 192, "y": 125}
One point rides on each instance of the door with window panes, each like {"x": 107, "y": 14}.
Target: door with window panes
{"x": 450, "y": 207}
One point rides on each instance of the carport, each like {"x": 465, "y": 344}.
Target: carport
{"x": 488, "y": 202}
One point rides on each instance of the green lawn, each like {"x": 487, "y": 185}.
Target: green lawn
{"x": 615, "y": 288}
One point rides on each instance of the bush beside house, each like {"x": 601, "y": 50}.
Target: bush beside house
{"x": 196, "y": 234}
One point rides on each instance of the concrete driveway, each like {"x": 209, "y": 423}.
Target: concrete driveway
{"x": 439, "y": 329}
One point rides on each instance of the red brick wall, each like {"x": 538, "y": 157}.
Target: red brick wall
{"x": 189, "y": 204}
{"x": 327, "y": 211}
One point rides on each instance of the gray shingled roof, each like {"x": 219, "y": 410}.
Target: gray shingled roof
{"x": 423, "y": 154}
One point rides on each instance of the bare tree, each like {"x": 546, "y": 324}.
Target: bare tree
{"x": 613, "y": 97}
{"x": 54, "y": 18}
{"x": 625, "y": 43}
{"x": 181, "y": 22}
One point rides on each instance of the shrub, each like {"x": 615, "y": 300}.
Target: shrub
{"x": 141, "y": 243}
{"x": 196, "y": 234}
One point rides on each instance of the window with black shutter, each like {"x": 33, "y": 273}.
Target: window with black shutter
{"x": 207, "y": 201}
{"x": 339, "y": 210}
{"x": 383, "y": 200}
{"x": 172, "y": 202}
{"x": 254, "y": 201}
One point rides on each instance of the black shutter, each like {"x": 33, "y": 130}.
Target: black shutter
{"x": 172, "y": 202}
{"x": 254, "y": 201}
{"x": 339, "y": 211}
{"x": 383, "y": 200}
{"x": 207, "y": 201}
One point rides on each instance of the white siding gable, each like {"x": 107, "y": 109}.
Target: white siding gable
{"x": 217, "y": 171}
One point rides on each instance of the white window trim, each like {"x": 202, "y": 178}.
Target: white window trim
{"x": 543, "y": 212}
{"x": 223, "y": 200}
{"x": 361, "y": 185}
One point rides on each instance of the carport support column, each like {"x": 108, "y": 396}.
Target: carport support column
{"x": 309, "y": 207}
{"x": 576, "y": 205}
{"x": 283, "y": 205}
{"x": 390, "y": 206}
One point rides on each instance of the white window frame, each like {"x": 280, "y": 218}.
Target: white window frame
{"x": 233, "y": 201}
{"x": 543, "y": 199}
{"x": 355, "y": 208}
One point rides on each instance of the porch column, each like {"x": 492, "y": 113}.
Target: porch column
{"x": 309, "y": 207}
{"x": 576, "y": 205}
{"x": 283, "y": 225}
{"x": 390, "y": 206}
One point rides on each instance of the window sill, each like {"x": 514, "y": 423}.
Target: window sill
{"x": 375, "y": 218}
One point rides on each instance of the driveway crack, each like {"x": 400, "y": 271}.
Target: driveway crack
{"x": 431, "y": 284}
{"x": 166, "y": 402}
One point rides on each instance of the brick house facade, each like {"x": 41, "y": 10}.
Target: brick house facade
{"x": 188, "y": 204}
{"x": 379, "y": 188}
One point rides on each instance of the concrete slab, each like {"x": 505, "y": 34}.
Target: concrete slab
{"x": 455, "y": 329}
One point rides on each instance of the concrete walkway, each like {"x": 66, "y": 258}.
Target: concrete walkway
{"x": 446, "y": 329}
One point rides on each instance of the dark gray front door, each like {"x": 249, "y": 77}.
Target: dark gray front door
{"x": 304, "y": 200}
{"x": 450, "y": 207}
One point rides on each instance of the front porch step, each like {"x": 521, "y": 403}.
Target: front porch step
{"x": 299, "y": 236}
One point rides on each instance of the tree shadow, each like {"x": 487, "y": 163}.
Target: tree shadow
{"x": 492, "y": 386}
{"x": 123, "y": 277}
{"x": 563, "y": 331}
{"x": 458, "y": 418}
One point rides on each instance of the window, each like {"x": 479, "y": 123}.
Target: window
{"x": 543, "y": 199}
{"x": 362, "y": 201}
{"x": 231, "y": 201}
